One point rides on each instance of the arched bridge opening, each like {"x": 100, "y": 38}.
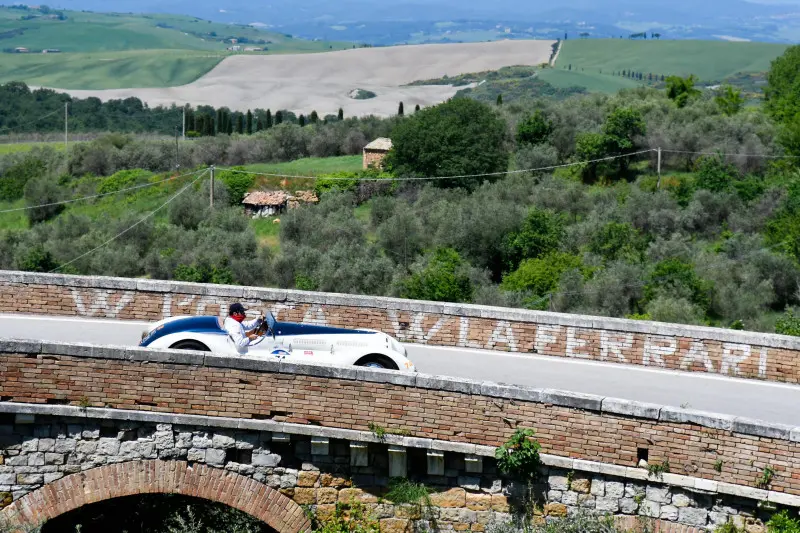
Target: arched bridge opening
{"x": 134, "y": 478}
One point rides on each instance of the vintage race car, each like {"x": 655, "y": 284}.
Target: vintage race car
{"x": 282, "y": 340}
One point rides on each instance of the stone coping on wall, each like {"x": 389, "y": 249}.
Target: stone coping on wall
{"x": 397, "y": 304}
{"x": 590, "y": 402}
{"x": 567, "y": 463}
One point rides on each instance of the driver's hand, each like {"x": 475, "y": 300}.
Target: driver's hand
{"x": 252, "y": 336}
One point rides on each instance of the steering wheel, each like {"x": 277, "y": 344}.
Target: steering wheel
{"x": 261, "y": 331}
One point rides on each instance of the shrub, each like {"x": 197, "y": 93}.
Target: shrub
{"x": 540, "y": 276}
{"x": 617, "y": 241}
{"x": 714, "y": 174}
{"x": 535, "y": 129}
{"x": 122, "y": 180}
{"x": 238, "y": 183}
{"x": 42, "y": 191}
{"x": 441, "y": 278}
{"x": 14, "y": 178}
{"x": 674, "y": 277}
{"x": 788, "y": 324}
{"x": 518, "y": 457}
{"x": 540, "y": 234}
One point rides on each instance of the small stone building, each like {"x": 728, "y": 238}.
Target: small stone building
{"x": 302, "y": 197}
{"x": 375, "y": 151}
{"x": 265, "y": 203}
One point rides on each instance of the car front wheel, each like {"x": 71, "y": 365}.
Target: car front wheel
{"x": 377, "y": 361}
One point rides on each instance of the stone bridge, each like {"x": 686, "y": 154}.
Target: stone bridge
{"x": 615, "y": 341}
{"x": 81, "y": 423}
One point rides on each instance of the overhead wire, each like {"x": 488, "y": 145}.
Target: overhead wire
{"x": 765, "y": 156}
{"x": 141, "y": 221}
{"x": 430, "y": 178}
{"x": 94, "y": 196}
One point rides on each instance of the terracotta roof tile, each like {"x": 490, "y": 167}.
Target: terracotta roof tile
{"x": 263, "y": 198}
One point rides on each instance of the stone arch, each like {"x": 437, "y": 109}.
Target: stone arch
{"x": 157, "y": 477}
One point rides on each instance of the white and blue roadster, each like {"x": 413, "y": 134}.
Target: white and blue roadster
{"x": 282, "y": 340}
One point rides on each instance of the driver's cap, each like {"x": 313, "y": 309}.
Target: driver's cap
{"x": 236, "y": 308}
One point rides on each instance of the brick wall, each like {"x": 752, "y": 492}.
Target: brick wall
{"x": 677, "y": 347}
{"x": 373, "y": 158}
{"x": 577, "y": 426}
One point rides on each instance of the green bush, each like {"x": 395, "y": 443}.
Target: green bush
{"x": 540, "y": 234}
{"x": 123, "y": 180}
{"x": 238, "y": 183}
{"x": 43, "y": 191}
{"x": 442, "y": 279}
{"x": 518, "y": 457}
{"x": 676, "y": 277}
{"x": 714, "y": 174}
{"x": 788, "y": 324}
{"x": 14, "y": 178}
{"x": 535, "y": 129}
{"x": 783, "y": 523}
{"x": 617, "y": 241}
{"x": 347, "y": 518}
{"x": 540, "y": 277}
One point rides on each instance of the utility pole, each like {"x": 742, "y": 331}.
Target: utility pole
{"x": 177, "y": 150}
{"x": 658, "y": 185}
{"x": 66, "y": 126}
{"x": 184, "y": 123}
{"x": 211, "y": 189}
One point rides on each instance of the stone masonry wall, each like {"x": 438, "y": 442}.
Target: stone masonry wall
{"x": 462, "y": 412}
{"x": 677, "y": 347}
{"x": 37, "y": 451}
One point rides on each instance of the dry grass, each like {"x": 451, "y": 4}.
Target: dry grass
{"x": 321, "y": 82}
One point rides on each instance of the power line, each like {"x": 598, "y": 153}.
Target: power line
{"x": 664, "y": 150}
{"x": 34, "y": 122}
{"x": 120, "y": 234}
{"x": 98, "y": 195}
{"x": 422, "y": 178}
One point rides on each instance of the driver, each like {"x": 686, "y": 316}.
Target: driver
{"x": 241, "y": 332}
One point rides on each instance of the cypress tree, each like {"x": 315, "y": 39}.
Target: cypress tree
{"x": 416, "y": 108}
{"x": 400, "y": 109}
{"x": 249, "y": 122}
{"x": 499, "y": 99}
{"x": 278, "y": 117}
{"x": 218, "y": 122}
{"x": 259, "y": 124}
{"x": 239, "y": 123}
{"x": 314, "y": 117}
{"x": 301, "y": 120}
{"x": 269, "y": 119}
{"x": 212, "y": 126}
{"x": 340, "y": 116}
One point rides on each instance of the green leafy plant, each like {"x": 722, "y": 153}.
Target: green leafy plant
{"x": 766, "y": 477}
{"x": 788, "y": 324}
{"x": 519, "y": 456}
{"x": 377, "y": 430}
{"x": 657, "y": 469}
{"x": 718, "y": 465}
{"x": 570, "y": 477}
{"x": 347, "y": 518}
{"x": 729, "y": 527}
{"x": 783, "y": 523}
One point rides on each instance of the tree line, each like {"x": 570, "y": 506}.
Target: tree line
{"x": 23, "y": 110}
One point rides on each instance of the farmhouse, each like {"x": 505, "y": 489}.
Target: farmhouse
{"x": 21, "y": 50}
{"x": 375, "y": 151}
{"x": 265, "y": 203}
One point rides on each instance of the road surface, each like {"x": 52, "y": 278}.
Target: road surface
{"x": 774, "y": 402}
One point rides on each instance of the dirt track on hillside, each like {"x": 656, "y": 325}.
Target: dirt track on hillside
{"x": 321, "y": 82}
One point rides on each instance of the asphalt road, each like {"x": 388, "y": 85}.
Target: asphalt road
{"x": 773, "y": 402}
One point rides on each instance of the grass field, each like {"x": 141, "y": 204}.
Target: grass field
{"x": 109, "y": 70}
{"x": 107, "y": 50}
{"x": 312, "y": 166}
{"x": 592, "y": 81}
{"x": 13, "y": 148}
{"x": 709, "y": 60}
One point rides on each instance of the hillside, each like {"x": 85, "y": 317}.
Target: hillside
{"x": 293, "y": 82}
{"x": 109, "y": 50}
{"x": 709, "y": 60}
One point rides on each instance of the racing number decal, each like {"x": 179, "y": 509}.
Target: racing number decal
{"x": 308, "y": 352}
{"x": 408, "y": 364}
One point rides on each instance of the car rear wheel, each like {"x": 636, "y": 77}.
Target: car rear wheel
{"x": 377, "y": 361}
{"x": 190, "y": 345}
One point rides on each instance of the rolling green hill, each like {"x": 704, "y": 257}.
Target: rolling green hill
{"x": 591, "y": 81}
{"x": 111, "y": 50}
{"x": 708, "y": 60}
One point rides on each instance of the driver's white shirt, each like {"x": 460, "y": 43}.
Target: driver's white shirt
{"x": 237, "y": 332}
